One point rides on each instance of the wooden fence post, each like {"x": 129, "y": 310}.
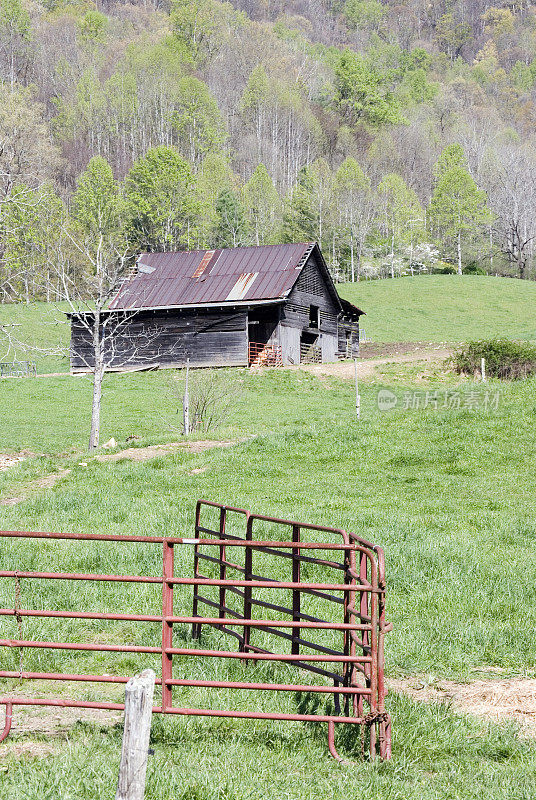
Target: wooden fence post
{"x": 135, "y": 750}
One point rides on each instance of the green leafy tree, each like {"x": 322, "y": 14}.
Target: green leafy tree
{"x": 92, "y": 30}
{"x": 263, "y": 206}
{"x": 214, "y": 175}
{"x": 452, "y": 34}
{"x": 231, "y": 227}
{"x": 31, "y": 226}
{"x": 403, "y": 215}
{"x": 197, "y": 119}
{"x": 458, "y": 207}
{"x": 362, "y": 92}
{"x": 96, "y": 201}
{"x": 451, "y": 156}
{"x": 366, "y": 14}
{"x": 162, "y": 204}
{"x": 300, "y": 217}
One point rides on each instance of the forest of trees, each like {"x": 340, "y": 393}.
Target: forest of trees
{"x": 400, "y": 134}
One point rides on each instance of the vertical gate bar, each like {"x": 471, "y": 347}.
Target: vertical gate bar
{"x": 223, "y": 566}
{"x": 357, "y": 700}
{"x": 196, "y": 628}
{"x": 248, "y": 571}
{"x": 167, "y": 627}
{"x": 364, "y": 604}
{"x": 296, "y": 597}
{"x": 349, "y": 600}
{"x": 384, "y": 726}
{"x": 374, "y": 626}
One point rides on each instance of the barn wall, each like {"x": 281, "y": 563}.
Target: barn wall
{"x": 311, "y": 289}
{"x": 166, "y": 338}
{"x": 289, "y": 339}
{"x": 329, "y": 346}
{"x": 348, "y": 347}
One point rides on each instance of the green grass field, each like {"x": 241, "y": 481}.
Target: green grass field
{"x": 445, "y": 308}
{"x": 448, "y": 492}
{"x": 442, "y": 491}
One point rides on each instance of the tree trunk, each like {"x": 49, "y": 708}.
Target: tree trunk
{"x": 98, "y": 374}
{"x": 96, "y": 407}
{"x": 459, "y": 243}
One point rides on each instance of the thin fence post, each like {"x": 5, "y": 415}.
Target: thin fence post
{"x": 483, "y": 370}
{"x": 357, "y": 397}
{"x": 135, "y": 750}
{"x": 186, "y": 400}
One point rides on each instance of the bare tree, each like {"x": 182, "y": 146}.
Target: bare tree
{"x": 109, "y": 338}
{"x": 511, "y": 186}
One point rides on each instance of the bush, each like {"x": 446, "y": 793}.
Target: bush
{"x": 474, "y": 269}
{"x": 504, "y": 359}
{"x": 443, "y": 268}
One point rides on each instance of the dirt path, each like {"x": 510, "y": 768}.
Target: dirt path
{"x": 137, "y": 454}
{"x": 495, "y": 700}
{"x": 156, "y": 450}
{"x": 367, "y": 368}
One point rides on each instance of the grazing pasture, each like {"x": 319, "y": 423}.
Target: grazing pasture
{"x": 448, "y": 493}
{"x": 445, "y": 308}
{"x": 440, "y": 490}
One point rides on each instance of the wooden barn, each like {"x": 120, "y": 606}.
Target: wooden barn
{"x": 241, "y": 306}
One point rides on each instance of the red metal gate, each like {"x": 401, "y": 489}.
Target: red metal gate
{"x": 330, "y": 613}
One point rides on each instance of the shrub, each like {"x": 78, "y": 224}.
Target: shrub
{"x": 504, "y": 359}
{"x": 474, "y": 269}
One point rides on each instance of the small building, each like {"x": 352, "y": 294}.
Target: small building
{"x": 241, "y": 306}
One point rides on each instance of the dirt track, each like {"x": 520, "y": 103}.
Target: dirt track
{"x": 367, "y": 367}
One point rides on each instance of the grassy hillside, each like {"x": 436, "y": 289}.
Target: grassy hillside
{"x": 441, "y": 490}
{"x": 445, "y": 308}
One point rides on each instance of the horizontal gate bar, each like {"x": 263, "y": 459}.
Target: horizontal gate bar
{"x": 184, "y": 651}
{"x": 103, "y": 537}
{"x": 260, "y": 623}
{"x": 304, "y": 587}
{"x": 180, "y": 651}
{"x": 187, "y": 712}
{"x": 60, "y": 676}
{"x": 79, "y": 576}
{"x": 276, "y": 687}
{"x": 109, "y": 648}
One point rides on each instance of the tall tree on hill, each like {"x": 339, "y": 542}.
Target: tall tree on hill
{"x": 231, "y": 227}
{"x": 263, "y": 206}
{"x": 457, "y": 207}
{"x": 300, "y": 217}
{"x": 162, "y": 203}
{"x": 197, "y": 120}
{"x": 355, "y": 209}
{"x": 362, "y": 92}
{"x": 402, "y": 214}
{"x": 15, "y": 38}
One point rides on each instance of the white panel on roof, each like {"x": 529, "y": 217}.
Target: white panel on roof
{"x": 240, "y": 289}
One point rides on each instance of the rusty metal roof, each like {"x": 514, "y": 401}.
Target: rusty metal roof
{"x": 201, "y": 277}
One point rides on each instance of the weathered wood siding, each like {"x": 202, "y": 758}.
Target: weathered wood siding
{"x": 168, "y": 338}
{"x": 348, "y": 339}
{"x": 311, "y": 289}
